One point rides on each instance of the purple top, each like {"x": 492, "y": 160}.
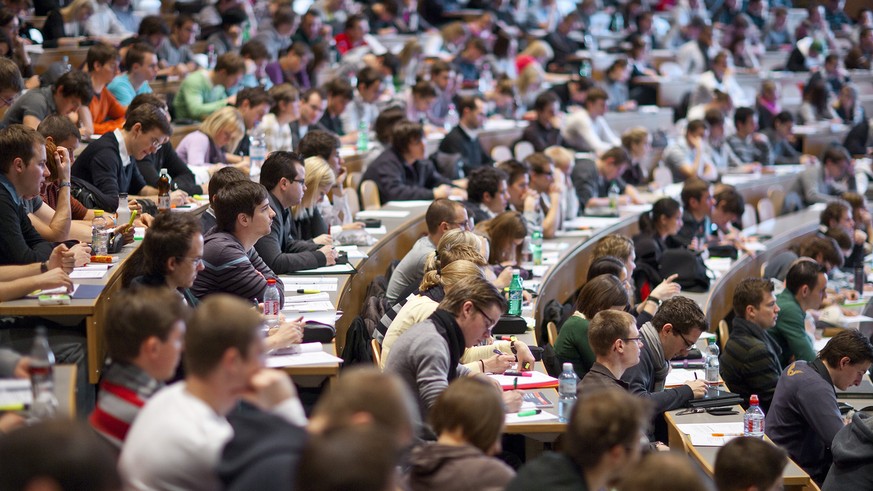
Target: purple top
{"x": 198, "y": 149}
{"x": 277, "y": 76}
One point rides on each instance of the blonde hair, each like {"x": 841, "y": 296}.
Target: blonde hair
{"x": 502, "y": 230}
{"x": 225, "y": 117}
{"x": 450, "y": 274}
{"x": 530, "y": 78}
{"x": 562, "y": 157}
{"x": 318, "y": 175}
{"x": 453, "y": 32}
{"x": 70, "y": 11}
{"x": 539, "y": 50}
{"x": 634, "y": 136}
{"x": 455, "y": 245}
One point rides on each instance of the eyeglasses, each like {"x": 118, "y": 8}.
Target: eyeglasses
{"x": 8, "y": 101}
{"x": 638, "y": 339}
{"x": 299, "y": 181}
{"x": 491, "y": 321}
{"x": 196, "y": 261}
{"x": 688, "y": 345}
{"x": 156, "y": 144}
{"x": 465, "y": 225}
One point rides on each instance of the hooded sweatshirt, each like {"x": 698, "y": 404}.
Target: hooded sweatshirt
{"x": 436, "y": 467}
{"x": 853, "y": 456}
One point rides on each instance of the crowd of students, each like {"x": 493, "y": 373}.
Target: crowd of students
{"x": 308, "y": 84}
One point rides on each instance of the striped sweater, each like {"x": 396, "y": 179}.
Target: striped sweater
{"x": 124, "y": 390}
{"x": 750, "y": 362}
{"x": 230, "y": 269}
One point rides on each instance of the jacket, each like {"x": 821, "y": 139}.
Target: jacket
{"x": 552, "y": 471}
{"x": 436, "y": 467}
{"x": 790, "y": 330}
{"x": 853, "y": 456}
{"x": 641, "y": 381}
{"x": 457, "y": 141}
{"x": 750, "y": 362}
{"x": 281, "y": 250}
{"x": 100, "y": 164}
{"x": 399, "y": 181}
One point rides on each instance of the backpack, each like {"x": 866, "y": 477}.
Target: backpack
{"x": 689, "y": 266}
{"x": 357, "y": 348}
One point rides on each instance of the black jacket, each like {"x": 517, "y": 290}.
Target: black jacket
{"x": 459, "y": 142}
{"x": 398, "y": 181}
{"x": 167, "y": 158}
{"x": 281, "y": 249}
{"x": 100, "y": 165}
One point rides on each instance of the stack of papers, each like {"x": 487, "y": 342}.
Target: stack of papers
{"x": 320, "y": 283}
{"x": 537, "y": 380}
{"x": 513, "y": 418}
{"x": 589, "y": 223}
{"x": 317, "y": 302}
{"x": 91, "y": 271}
{"x": 678, "y": 376}
{"x": 15, "y": 394}
{"x": 351, "y": 251}
{"x": 335, "y": 269}
{"x": 381, "y": 214}
{"x": 711, "y": 434}
{"x": 302, "y": 359}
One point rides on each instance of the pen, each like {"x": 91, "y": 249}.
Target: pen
{"x": 13, "y": 407}
{"x": 518, "y": 374}
{"x": 303, "y": 290}
{"x": 506, "y": 338}
{"x": 727, "y": 434}
{"x": 530, "y": 412}
{"x": 497, "y": 352}
{"x": 695, "y": 375}
{"x": 515, "y": 383}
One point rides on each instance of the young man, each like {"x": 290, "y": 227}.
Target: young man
{"x": 441, "y": 216}
{"x": 804, "y": 416}
{"x": 143, "y": 332}
{"x": 242, "y": 216}
{"x": 22, "y": 172}
{"x": 674, "y": 330}
{"x": 174, "y": 54}
{"x": 11, "y": 84}
{"x": 750, "y": 362}
{"x": 466, "y": 63}
{"x": 283, "y": 176}
{"x": 521, "y": 196}
{"x": 593, "y": 178}
{"x": 277, "y": 37}
{"x": 353, "y": 35}
{"x": 617, "y": 344}
{"x": 339, "y": 94}
{"x": 463, "y": 141}
{"x": 544, "y": 131}
{"x": 363, "y": 109}
{"x": 402, "y": 173}
{"x": 587, "y": 130}
{"x": 697, "y": 203}
{"x": 782, "y": 139}
{"x": 688, "y": 157}
{"x": 106, "y": 113}
{"x": 749, "y": 464}
{"x": 312, "y": 106}
{"x": 603, "y": 445}
{"x": 752, "y": 148}
{"x": 177, "y": 439}
{"x": 205, "y": 91}
{"x": 838, "y": 215}
{"x": 253, "y": 103}
{"x": 65, "y": 96}
{"x": 141, "y": 63}
{"x": 805, "y": 286}
{"x": 487, "y": 194}
{"x": 291, "y": 67}
{"x": 821, "y": 249}
{"x": 549, "y": 190}
{"x": 427, "y": 356}
{"x": 821, "y": 183}
{"x": 108, "y": 165}
{"x": 443, "y": 78}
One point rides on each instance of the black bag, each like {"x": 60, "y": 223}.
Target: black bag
{"x": 689, "y": 266}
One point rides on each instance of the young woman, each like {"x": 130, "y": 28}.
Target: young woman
{"x": 276, "y": 124}
{"x": 307, "y": 216}
{"x": 601, "y": 293}
{"x": 468, "y": 419}
{"x": 664, "y": 220}
{"x": 66, "y": 26}
{"x": 815, "y": 105}
{"x": 208, "y": 149}
{"x": 638, "y": 144}
{"x": 506, "y": 233}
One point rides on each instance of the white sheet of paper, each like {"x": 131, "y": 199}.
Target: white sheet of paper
{"x": 555, "y": 246}
{"x": 81, "y": 274}
{"x": 302, "y": 359}
{"x": 535, "y": 378}
{"x": 309, "y": 297}
{"x": 543, "y": 416}
{"x": 382, "y": 214}
{"x": 678, "y": 376}
{"x": 352, "y": 251}
{"x": 573, "y": 233}
{"x": 336, "y": 268}
{"x": 324, "y": 317}
{"x": 323, "y": 287}
{"x": 855, "y": 319}
{"x": 298, "y": 349}
{"x": 590, "y": 222}
{"x": 410, "y": 203}
{"x": 309, "y": 307}
{"x": 702, "y": 434}
{"x": 377, "y": 231}
{"x": 286, "y": 278}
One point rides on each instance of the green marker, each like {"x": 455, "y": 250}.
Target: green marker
{"x": 530, "y": 412}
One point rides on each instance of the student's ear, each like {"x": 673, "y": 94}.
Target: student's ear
{"x": 150, "y": 346}
{"x": 750, "y": 309}
{"x": 360, "y": 418}
{"x": 171, "y": 264}
{"x": 243, "y": 219}
{"x": 50, "y": 139}
{"x": 845, "y": 361}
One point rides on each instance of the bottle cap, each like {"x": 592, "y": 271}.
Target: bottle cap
{"x": 567, "y": 366}
{"x": 98, "y": 213}
{"x": 516, "y": 272}
{"x": 271, "y": 281}
{"x": 753, "y": 400}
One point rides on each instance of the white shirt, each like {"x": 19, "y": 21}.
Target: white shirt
{"x": 122, "y": 148}
{"x": 277, "y": 136}
{"x": 707, "y": 84}
{"x": 581, "y": 132}
{"x": 104, "y": 22}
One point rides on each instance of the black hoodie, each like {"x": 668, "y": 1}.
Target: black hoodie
{"x": 853, "y": 456}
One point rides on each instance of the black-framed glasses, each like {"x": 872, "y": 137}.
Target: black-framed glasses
{"x": 8, "y": 101}
{"x": 491, "y": 321}
{"x": 196, "y": 261}
{"x": 638, "y": 339}
{"x": 688, "y": 345}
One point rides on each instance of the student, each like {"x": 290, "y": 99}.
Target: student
{"x": 852, "y": 467}
{"x": 402, "y": 173}
{"x": 65, "y": 26}
{"x": 229, "y": 38}
{"x": 604, "y": 292}
{"x": 11, "y": 84}
{"x": 462, "y": 140}
{"x": 656, "y": 227}
{"x": 604, "y": 444}
{"x": 221, "y": 179}
{"x": 205, "y": 91}
{"x": 441, "y": 216}
{"x": 291, "y": 67}
{"x": 617, "y": 344}
{"x": 211, "y": 146}
{"x": 243, "y": 215}
{"x": 835, "y": 175}
{"x": 467, "y": 440}
{"x": 106, "y": 113}
{"x": 805, "y": 286}
{"x": 587, "y": 130}
{"x": 783, "y": 141}
{"x": 108, "y": 164}
{"x": 804, "y": 417}
{"x": 144, "y": 331}
{"x": 663, "y": 471}
{"x": 65, "y": 96}
{"x": 487, "y": 194}
{"x": 141, "y": 63}
{"x": 549, "y": 190}
{"x": 746, "y": 463}
{"x": 674, "y": 330}
{"x": 277, "y": 37}
{"x": 697, "y": 203}
{"x": 544, "y": 131}
{"x": 324, "y": 144}
{"x": 283, "y": 249}
{"x": 750, "y": 362}
{"x": 593, "y": 178}
{"x": 505, "y": 233}
{"x": 747, "y": 143}
{"x": 821, "y": 249}
{"x": 521, "y": 197}
{"x": 177, "y": 439}
{"x": 688, "y": 157}
{"x": 361, "y": 458}
{"x": 427, "y": 356}
{"x": 838, "y": 215}
{"x": 310, "y": 223}
{"x": 174, "y": 53}
{"x": 339, "y": 94}
{"x": 277, "y": 124}
{"x": 253, "y": 103}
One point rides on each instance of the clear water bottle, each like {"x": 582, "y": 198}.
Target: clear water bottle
{"x": 67, "y": 66}
{"x": 257, "y": 151}
{"x": 753, "y": 420}
{"x": 363, "y": 136}
{"x": 585, "y": 69}
{"x": 536, "y": 246}
{"x": 614, "y": 194}
{"x": 99, "y": 245}
{"x": 515, "y": 293}
{"x": 486, "y": 80}
{"x": 41, "y": 368}
{"x": 710, "y": 365}
{"x": 211, "y": 56}
{"x": 452, "y": 118}
{"x": 272, "y": 303}
{"x": 122, "y": 213}
{"x": 566, "y": 392}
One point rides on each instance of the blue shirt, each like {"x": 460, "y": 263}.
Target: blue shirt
{"x": 123, "y": 90}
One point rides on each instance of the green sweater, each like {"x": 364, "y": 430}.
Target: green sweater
{"x": 572, "y": 345}
{"x": 198, "y": 98}
{"x": 790, "y": 331}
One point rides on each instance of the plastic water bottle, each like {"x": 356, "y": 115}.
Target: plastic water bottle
{"x": 536, "y": 246}
{"x": 99, "y": 246}
{"x": 67, "y": 66}
{"x": 614, "y": 193}
{"x": 164, "y": 186}
{"x": 272, "y": 303}
{"x": 515, "y": 293}
{"x": 452, "y": 118}
{"x": 41, "y": 368}
{"x": 363, "y": 136}
{"x": 711, "y": 365}
{"x": 257, "y": 151}
{"x": 211, "y": 56}
{"x": 486, "y": 80}
{"x": 122, "y": 213}
{"x": 585, "y": 69}
{"x": 566, "y": 392}
{"x": 753, "y": 420}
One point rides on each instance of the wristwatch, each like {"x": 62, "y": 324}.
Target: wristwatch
{"x": 43, "y": 267}
{"x": 65, "y": 184}
{"x": 653, "y": 299}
